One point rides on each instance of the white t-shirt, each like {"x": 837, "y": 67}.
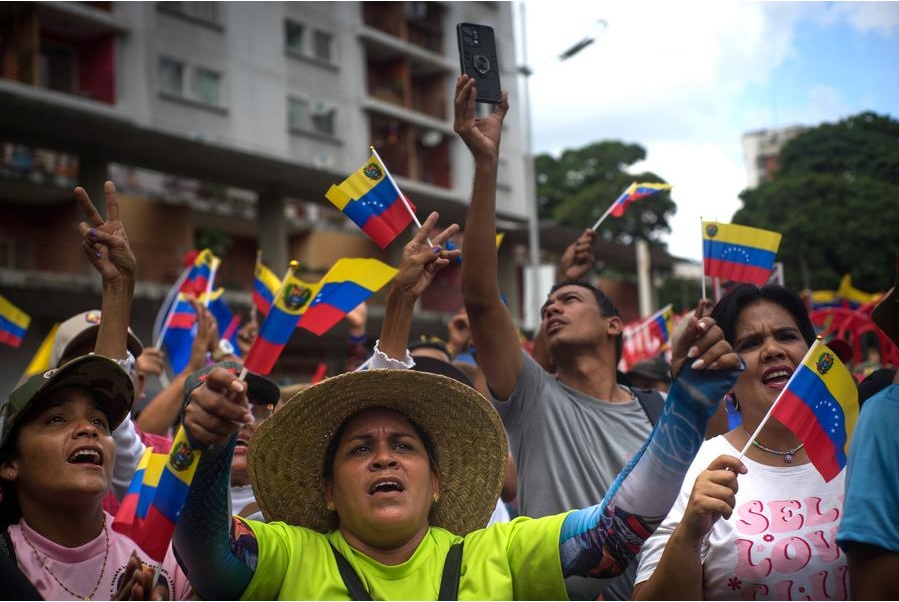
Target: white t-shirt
{"x": 780, "y": 541}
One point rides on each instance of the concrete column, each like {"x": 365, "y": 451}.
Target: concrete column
{"x": 271, "y": 228}
{"x": 645, "y": 291}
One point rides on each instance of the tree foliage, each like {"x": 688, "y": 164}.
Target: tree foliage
{"x": 578, "y": 187}
{"x": 835, "y": 199}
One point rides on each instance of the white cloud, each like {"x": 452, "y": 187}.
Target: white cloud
{"x": 880, "y": 17}
{"x": 683, "y": 80}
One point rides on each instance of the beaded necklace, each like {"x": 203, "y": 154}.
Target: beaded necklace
{"x": 43, "y": 563}
{"x": 787, "y": 455}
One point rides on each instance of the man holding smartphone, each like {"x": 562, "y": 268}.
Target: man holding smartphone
{"x": 570, "y": 432}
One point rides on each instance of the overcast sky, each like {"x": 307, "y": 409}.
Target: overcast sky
{"x": 686, "y": 80}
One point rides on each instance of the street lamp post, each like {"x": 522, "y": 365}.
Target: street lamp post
{"x": 530, "y": 178}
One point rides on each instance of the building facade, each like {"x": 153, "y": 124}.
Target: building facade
{"x": 223, "y": 123}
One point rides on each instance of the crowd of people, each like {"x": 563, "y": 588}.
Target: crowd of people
{"x": 475, "y": 468}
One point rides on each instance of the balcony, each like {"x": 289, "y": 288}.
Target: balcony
{"x": 67, "y": 47}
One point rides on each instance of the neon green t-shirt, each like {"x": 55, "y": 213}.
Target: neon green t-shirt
{"x": 517, "y": 560}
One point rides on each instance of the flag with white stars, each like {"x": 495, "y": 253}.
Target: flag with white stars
{"x": 372, "y": 200}
{"x": 738, "y": 253}
{"x": 820, "y": 405}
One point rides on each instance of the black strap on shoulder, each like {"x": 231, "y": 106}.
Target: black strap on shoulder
{"x": 350, "y": 578}
{"x": 449, "y": 582}
{"x": 652, "y": 403}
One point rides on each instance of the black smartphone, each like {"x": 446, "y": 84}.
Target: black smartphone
{"x": 477, "y": 57}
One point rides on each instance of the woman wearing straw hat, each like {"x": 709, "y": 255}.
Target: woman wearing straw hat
{"x": 377, "y": 483}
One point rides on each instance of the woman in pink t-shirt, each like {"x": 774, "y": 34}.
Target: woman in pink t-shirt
{"x": 56, "y": 461}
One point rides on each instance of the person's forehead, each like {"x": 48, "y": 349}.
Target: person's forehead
{"x": 580, "y": 290}
{"x": 763, "y": 314}
{"x": 375, "y": 418}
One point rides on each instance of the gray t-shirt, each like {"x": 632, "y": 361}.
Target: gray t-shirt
{"x": 568, "y": 448}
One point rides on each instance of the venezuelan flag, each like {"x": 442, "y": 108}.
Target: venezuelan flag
{"x": 151, "y": 507}
{"x": 179, "y": 335}
{"x": 291, "y": 301}
{"x": 201, "y": 273}
{"x": 738, "y": 253}
{"x": 635, "y": 192}
{"x": 663, "y": 323}
{"x": 13, "y": 323}
{"x": 348, "y": 283}
{"x": 820, "y": 405}
{"x": 370, "y": 198}
{"x": 265, "y": 286}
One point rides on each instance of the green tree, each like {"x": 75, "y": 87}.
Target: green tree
{"x": 834, "y": 198}
{"x": 577, "y": 188}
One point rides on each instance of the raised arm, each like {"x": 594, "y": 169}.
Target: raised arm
{"x": 602, "y": 540}
{"x": 492, "y": 329}
{"x": 419, "y": 265}
{"x": 215, "y": 550}
{"x": 106, "y": 246}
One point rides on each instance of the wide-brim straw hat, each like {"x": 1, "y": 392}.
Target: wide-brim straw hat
{"x": 287, "y": 455}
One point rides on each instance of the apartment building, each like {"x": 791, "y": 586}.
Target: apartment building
{"x": 223, "y": 123}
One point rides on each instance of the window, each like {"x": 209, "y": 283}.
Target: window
{"x": 57, "y": 67}
{"x": 317, "y": 117}
{"x": 171, "y": 76}
{"x": 293, "y": 36}
{"x": 322, "y": 45}
{"x": 204, "y": 11}
{"x": 298, "y": 113}
{"x": 207, "y": 85}
{"x": 323, "y": 119}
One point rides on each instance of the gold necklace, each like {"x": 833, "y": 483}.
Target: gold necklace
{"x": 44, "y": 566}
{"x": 787, "y": 455}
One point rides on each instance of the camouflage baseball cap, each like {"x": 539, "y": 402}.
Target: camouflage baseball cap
{"x": 109, "y": 384}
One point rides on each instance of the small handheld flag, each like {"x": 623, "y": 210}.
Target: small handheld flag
{"x": 265, "y": 285}
{"x": 291, "y": 301}
{"x": 634, "y": 192}
{"x": 13, "y": 323}
{"x": 738, "y": 253}
{"x": 820, "y": 404}
{"x": 154, "y": 500}
{"x": 371, "y": 198}
{"x": 348, "y": 283}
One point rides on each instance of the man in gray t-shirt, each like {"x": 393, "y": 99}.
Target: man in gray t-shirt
{"x": 571, "y": 432}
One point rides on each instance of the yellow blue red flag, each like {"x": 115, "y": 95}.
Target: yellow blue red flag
{"x": 154, "y": 500}
{"x": 265, "y": 286}
{"x": 348, "y": 283}
{"x": 738, "y": 253}
{"x": 820, "y": 405}
{"x": 370, "y": 198}
{"x": 635, "y": 192}
{"x": 13, "y": 323}
{"x": 291, "y": 301}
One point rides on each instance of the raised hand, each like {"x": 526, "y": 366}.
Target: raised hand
{"x": 421, "y": 261}
{"x": 481, "y": 136}
{"x": 578, "y": 257}
{"x": 217, "y": 408}
{"x": 701, "y": 342}
{"x": 104, "y": 240}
